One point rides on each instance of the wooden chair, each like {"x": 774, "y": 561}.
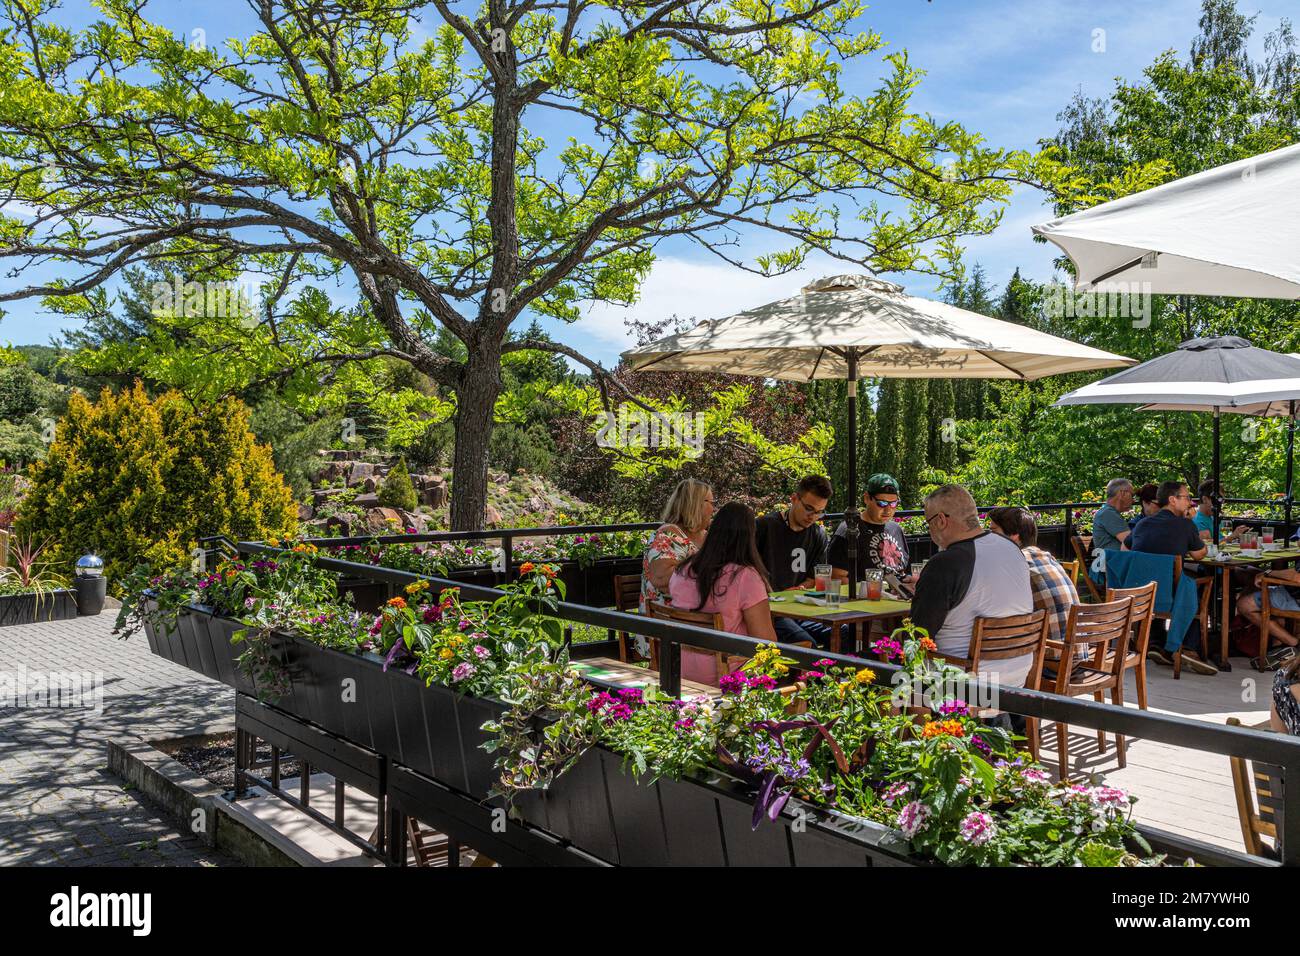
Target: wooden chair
{"x": 1144, "y": 606}
{"x": 627, "y": 598}
{"x": 725, "y": 663}
{"x": 1260, "y": 812}
{"x": 1266, "y": 612}
{"x": 1005, "y": 638}
{"x": 432, "y": 848}
{"x": 1103, "y": 629}
{"x": 1206, "y": 586}
{"x": 1081, "y": 555}
{"x": 1072, "y": 569}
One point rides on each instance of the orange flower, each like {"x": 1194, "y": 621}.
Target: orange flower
{"x": 943, "y": 728}
{"x": 928, "y": 644}
{"x": 398, "y": 602}
{"x": 526, "y": 567}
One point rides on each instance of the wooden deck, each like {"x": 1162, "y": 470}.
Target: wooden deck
{"x": 1186, "y": 791}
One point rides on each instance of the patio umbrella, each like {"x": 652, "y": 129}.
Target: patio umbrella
{"x": 1229, "y": 231}
{"x": 857, "y": 326}
{"x": 1206, "y": 374}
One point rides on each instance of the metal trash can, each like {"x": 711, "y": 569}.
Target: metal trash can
{"x": 90, "y": 584}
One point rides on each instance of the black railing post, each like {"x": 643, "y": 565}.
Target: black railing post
{"x": 1288, "y": 837}
{"x": 670, "y": 668}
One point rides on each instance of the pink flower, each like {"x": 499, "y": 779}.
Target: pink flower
{"x": 463, "y": 670}
{"x": 895, "y": 792}
{"x": 481, "y": 652}
{"x": 977, "y": 829}
{"x": 1109, "y": 798}
{"x": 913, "y": 818}
{"x": 465, "y": 624}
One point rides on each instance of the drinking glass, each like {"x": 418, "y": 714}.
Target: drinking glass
{"x": 822, "y": 577}
{"x": 875, "y": 582}
{"x": 1268, "y": 535}
{"x": 917, "y": 568}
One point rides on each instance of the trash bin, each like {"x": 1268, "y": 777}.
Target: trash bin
{"x": 90, "y": 584}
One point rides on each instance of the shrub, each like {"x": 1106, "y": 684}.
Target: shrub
{"x": 138, "y": 481}
{"x": 397, "y": 490}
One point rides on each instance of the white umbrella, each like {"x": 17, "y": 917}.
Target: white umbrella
{"x": 854, "y": 326}
{"x": 1229, "y": 231}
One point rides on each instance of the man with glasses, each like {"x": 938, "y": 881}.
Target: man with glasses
{"x": 1169, "y": 531}
{"x": 792, "y": 544}
{"x": 976, "y": 574}
{"x": 881, "y": 542}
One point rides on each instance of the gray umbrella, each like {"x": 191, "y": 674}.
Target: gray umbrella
{"x": 1218, "y": 374}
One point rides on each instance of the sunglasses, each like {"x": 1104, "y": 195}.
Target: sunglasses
{"x": 885, "y": 504}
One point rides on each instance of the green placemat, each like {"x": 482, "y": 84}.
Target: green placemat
{"x": 791, "y": 606}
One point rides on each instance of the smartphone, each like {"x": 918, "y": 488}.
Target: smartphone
{"x": 898, "y": 587}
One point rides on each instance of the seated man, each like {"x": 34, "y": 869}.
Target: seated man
{"x": 1169, "y": 532}
{"x": 1285, "y": 597}
{"x": 1109, "y": 527}
{"x": 976, "y": 574}
{"x": 1203, "y": 516}
{"x": 881, "y": 542}
{"x": 1054, "y": 592}
{"x": 792, "y": 543}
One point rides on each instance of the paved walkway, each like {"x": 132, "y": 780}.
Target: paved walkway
{"x": 58, "y": 803}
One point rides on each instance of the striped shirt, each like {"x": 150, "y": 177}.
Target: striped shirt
{"x": 1054, "y": 592}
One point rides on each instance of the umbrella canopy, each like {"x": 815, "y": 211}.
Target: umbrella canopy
{"x": 1200, "y": 375}
{"x": 1229, "y": 231}
{"x": 891, "y": 335}
{"x": 1278, "y": 408}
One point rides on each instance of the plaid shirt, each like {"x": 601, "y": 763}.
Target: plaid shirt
{"x": 1054, "y": 592}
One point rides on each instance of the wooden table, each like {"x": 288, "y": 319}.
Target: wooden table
{"x": 850, "y": 613}
{"x": 1267, "y": 561}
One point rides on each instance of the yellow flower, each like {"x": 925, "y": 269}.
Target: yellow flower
{"x": 446, "y": 654}
{"x": 865, "y": 676}
{"x": 842, "y": 687}
{"x": 417, "y": 587}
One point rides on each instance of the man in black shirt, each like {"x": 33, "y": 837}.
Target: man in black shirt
{"x": 1168, "y": 531}
{"x": 791, "y": 544}
{"x": 881, "y": 542}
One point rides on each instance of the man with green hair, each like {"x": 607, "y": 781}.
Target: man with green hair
{"x": 881, "y": 542}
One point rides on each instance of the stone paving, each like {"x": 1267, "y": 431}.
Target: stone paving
{"x": 58, "y": 803}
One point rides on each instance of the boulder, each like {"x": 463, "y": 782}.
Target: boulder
{"x": 384, "y": 520}
{"x": 434, "y": 496}
{"x": 370, "y": 485}
{"x": 412, "y": 520}
{"x": 359, "y": 472}
{"x": 366, "y": 501}
{"x": 305, "y": 512}
{"x": 343, "y": 524}
{"x": 491, "y": 516}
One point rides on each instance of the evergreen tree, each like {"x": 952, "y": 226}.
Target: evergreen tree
{"x": 888, "y": 431}
{"x": 914, "y": 433}
{"x": 943, "y": 414}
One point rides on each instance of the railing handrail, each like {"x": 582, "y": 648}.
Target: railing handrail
{"x": 1272, "y": 748}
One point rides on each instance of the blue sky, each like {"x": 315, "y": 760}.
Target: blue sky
{"x": 1001, "y": 67}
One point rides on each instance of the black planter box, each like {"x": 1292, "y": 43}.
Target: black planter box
{"x": 58, "y": 605}
{"x": 599, "y": 808}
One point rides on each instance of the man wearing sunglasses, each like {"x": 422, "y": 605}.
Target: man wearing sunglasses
{"x": 881, "y": 542}
{"x": 792, "y": 543}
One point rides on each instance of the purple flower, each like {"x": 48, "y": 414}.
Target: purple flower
{"x": 465, "y": 624}
{"x": 732, "y": 683}
{"x": 979, "y": 744}
{"x": 977, "y": 829}
{"x": 955, "y": 708}
{"x": 895, "y": 792}
{"x": 463, "y": 670}
{"x": 913, "y": 817}
{"x": 481, "y": 652}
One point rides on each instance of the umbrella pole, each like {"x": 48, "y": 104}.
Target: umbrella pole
{"x": 1290, "y": 465}
{"x": 851, "y": 516}
{"x": 1216, "y": 499}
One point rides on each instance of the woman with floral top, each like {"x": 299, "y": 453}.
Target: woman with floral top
{"x": 685, "y": 521}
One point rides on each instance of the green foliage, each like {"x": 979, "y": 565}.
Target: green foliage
{"x": 397, "y": 490}
{"x": 139, "y": 481}
{"x": 527, "y": 447}
{"x": 294, "y": 440}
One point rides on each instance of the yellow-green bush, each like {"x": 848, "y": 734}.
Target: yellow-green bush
{"x": 136, "y": 480}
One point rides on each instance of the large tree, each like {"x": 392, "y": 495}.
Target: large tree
{"x": 527, "y": 157}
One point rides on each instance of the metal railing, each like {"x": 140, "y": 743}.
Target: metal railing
{"x": 1279, "y": 750}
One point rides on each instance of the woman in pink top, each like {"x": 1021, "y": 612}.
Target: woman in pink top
{"x": 726, "y": 576}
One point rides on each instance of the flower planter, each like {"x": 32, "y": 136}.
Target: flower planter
{"x": 57, "y": 605}
{"x": 367, "y": 596}
{"x": 598, "y": 808}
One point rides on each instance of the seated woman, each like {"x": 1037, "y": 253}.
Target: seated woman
{"x": 726, "y": 576}
{"x": 685, "y": 522}
{"x": 1284, "y": 714}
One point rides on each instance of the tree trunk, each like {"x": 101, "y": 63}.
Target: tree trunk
{"x": 475, "y": 402}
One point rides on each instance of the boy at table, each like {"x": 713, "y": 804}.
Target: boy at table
{"x": 792, "y": 543}
{"x": 881, "y": 542}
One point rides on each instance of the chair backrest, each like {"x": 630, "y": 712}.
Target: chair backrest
{"x": 700, "y": 618}
{"x": 627, "y": 591}
{"x": 1072, "y": 569}
{"x": 1002, "y": 638}
{"x": 1266, "y": 821}
{"x": 1090, "y": 625}
{"x": 1144, "y": 606}
{"x": 1081, "y": 556}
